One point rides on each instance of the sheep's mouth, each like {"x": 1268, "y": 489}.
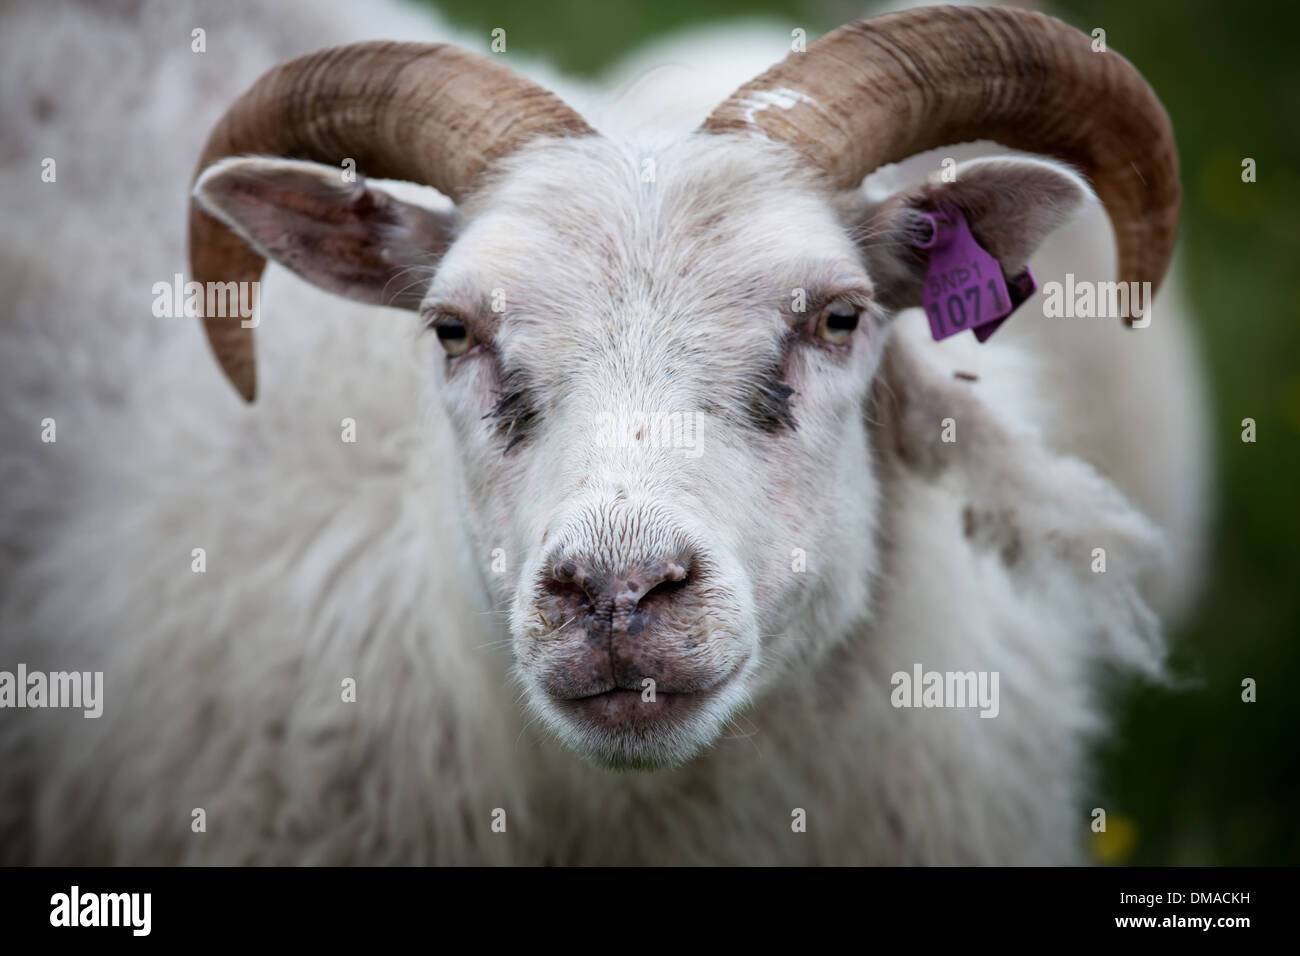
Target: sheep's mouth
{"x": 623, "y": 710}
{"x": 631, "y": 709}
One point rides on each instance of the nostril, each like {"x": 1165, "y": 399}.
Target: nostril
{"x": 564, "y": 572}
{"x": 664, "y": 590}
{"x": 660, "y": 580}
{"x": 575, "y": 582}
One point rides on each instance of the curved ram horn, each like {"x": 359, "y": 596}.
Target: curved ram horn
{"x": 877, "y": 91}
{"x": 426, "y": 113}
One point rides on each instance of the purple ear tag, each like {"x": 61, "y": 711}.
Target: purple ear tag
{"x": 965, "y": 287}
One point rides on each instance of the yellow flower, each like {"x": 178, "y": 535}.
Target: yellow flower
{"x": 1116, "y": 843}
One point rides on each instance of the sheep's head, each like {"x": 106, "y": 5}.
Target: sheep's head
{"x": 657, "y": 357}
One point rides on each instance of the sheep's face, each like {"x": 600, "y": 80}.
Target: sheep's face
{"x": 656, "y": 362}
{"x": 657, "y": 357}
{"x": 656, "y": 368}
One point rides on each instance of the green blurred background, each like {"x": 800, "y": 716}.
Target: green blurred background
{"x": 1191, "y": 776}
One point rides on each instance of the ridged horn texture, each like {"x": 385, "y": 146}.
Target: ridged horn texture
{"x": 426, "y": 113}
{"x": 877, "y": 91}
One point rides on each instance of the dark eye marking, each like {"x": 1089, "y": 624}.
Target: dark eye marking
{"x": 770, "y": 406}
{"x": 836, "y": 315}
{"x": 771, "y": 409}
{"x": 514, "y": 413}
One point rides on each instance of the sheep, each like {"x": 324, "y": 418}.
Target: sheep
{"x": 430, "y": 643}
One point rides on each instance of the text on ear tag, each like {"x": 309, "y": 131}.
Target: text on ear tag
{"x": 965, "y": 287}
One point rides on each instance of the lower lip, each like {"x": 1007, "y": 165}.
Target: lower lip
{"x": 627, "y": 710}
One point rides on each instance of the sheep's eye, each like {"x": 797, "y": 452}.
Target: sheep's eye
{"x": 454, "y": 336}
{"x": 837, "y": 322}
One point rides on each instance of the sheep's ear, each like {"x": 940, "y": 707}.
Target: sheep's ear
{"x": 330, "y": 227}
{"x": 1010, "y": 204}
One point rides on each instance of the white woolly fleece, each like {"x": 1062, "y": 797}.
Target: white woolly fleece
{"x": 328, "y": 560}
